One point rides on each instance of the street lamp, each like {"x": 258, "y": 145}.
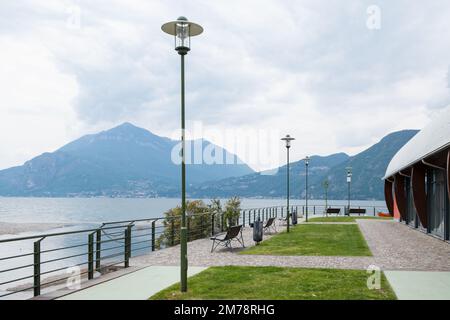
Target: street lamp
{"x": 326, "y": 184}
{"x": 306, "y": 188}
{"x": 349, "y": 181}
{"x": 288, "y": 140}
{"x": 182, "y": 30}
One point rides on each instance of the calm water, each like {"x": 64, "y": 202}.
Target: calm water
{"x": 97, "y": 210}
{"x": 86, "y": 213}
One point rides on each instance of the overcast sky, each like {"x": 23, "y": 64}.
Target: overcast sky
{"x": 337, "y": 75}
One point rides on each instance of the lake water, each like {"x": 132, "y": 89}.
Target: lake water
{"x": 87, "y": 213}
{"x": 98, "y": 210}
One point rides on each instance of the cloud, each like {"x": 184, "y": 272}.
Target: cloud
{"x": 309, "y": 68}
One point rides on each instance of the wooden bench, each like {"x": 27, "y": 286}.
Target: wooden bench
{"x": 357, "y": 211}
{"x": 333, "y": 211}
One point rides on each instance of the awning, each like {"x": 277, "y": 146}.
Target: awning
{"x": 431, "y": 139}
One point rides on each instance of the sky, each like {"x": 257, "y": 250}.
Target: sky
{"x": 337, "y": 75}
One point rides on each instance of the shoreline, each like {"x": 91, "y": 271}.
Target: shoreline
{"x": 13, "y": 228}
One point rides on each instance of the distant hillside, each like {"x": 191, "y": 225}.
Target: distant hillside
{"x": 269, "y": 185}
{"x": 128, "y": 161}
{"x": 123, "y": 161}
{"x": 368, "y": 166}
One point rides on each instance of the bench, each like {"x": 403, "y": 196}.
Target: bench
{"x": 356, "y": 211}
{"x": 233, "y": 234}
{"x": 333, "y": 211}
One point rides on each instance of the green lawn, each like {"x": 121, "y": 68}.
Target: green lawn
{"x": 345, "y": 219}
{"x": 246, "y": 283}
{"x": 315, "y": 240}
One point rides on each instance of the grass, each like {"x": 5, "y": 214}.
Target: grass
{"x": 315, "y": 240}
{"x": 346, "y": 219}
{"x": 264, "y": 283}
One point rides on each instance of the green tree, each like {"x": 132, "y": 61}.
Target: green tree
{"x": 198, "y": 220}
{"x": 232, "y": 211}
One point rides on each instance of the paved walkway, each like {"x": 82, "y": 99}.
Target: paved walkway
{"x": 396, "y": 246}
{"x": 138, "y": 285}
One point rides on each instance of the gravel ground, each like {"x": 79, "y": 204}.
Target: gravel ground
{"x": 394, "y": 247}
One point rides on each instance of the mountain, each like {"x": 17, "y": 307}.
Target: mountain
{"x": 368, "y": 168}
{"x": 128, "y": 161}
{"x": 269, "y": 184}
{"x": 123, "y": 161}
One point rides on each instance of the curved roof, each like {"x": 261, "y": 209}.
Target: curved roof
{"x": 434, "y": 137}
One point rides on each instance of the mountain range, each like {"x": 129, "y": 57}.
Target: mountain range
{"x": 124, "y": 161}
{"x": 368, "y": 167}
{"x": 127, "y": 161}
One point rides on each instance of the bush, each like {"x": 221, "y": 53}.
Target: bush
{"x": 199, "y": 220}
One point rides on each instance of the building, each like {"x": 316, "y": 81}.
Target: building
{"x": 417, "y": 180}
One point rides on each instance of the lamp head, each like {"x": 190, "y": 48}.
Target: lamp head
{"x": 288, "y": 140}
{"x": 182, "y": 30}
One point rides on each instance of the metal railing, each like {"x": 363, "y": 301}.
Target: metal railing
{"x": 38, "y": 261}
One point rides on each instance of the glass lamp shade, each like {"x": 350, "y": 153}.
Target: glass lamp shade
{"x": 288, "y": 140}
{"x": 182, "y": 30}
{"x": 182, "y": 37}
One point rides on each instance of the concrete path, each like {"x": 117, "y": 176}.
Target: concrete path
{"x": 420, "y": 285}
{"x": 138, "y": 285}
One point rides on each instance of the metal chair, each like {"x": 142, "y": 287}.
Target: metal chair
{"x": 233, "y": 234}
{"x": 270, "y": 224}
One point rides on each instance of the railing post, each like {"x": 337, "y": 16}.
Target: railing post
{"x": 153, "y": 234}
{"x": 249, "y": 217}
{"x": 91, "y": 256}
{"x": 314, "y": 212}
{"x": 98, "y": 249}
{"x": 172, "y": 226}
{"x": 243, "y": 218}
{"x": 221, "y": 223}
{"x": 254, "y": 215}
{"x": 37, "y": 267}
{"x": 374, "y": 211}
{"x": 201, "y": 225}
{"x": 127, "y": 251}
{"x": 212, "y": 224}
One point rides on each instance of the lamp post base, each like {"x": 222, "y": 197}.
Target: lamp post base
{"x": 184, "y": 259}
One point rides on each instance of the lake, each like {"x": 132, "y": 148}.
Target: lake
{"x": 98, "y": 210}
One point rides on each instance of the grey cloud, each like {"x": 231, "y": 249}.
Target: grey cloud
{"x": 247, "y": 49}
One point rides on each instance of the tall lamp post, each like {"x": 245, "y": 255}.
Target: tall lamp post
{"x": 349, "y": 181}
{"x": 306, "y": 187}
{"x": 182, "y": 30}
{"x": 288, "y": 140}
{"x": 326, "y": 184}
